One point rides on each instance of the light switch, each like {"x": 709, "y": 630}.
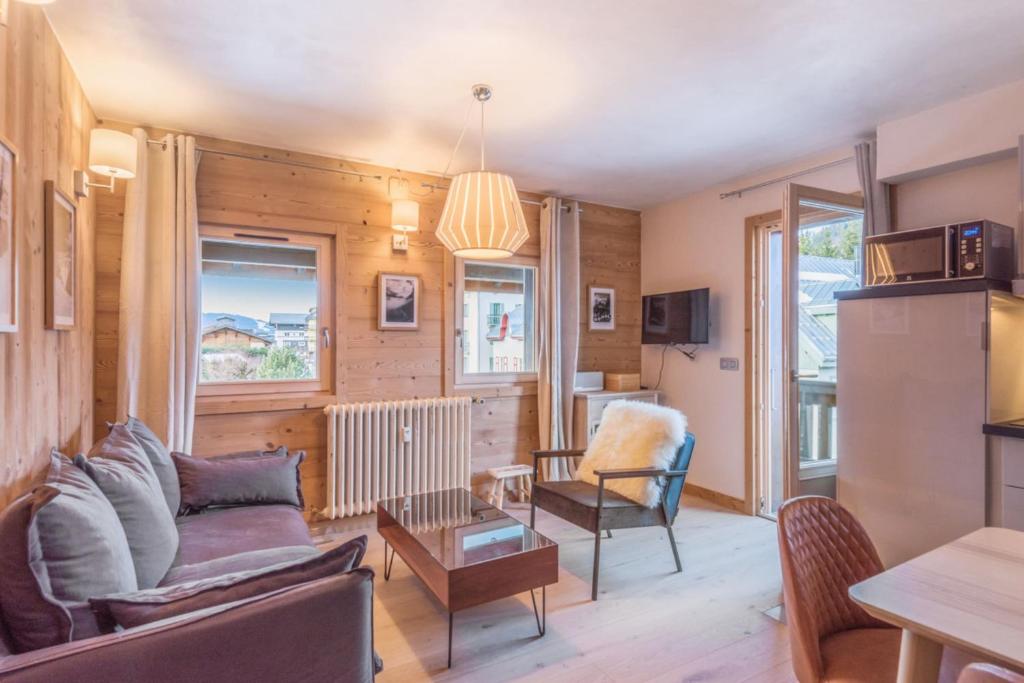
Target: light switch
{"x": 729, "y": 363}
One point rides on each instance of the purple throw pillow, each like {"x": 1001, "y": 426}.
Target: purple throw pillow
{"x": 260, "y": 480}
{"x": 142, "y": 607}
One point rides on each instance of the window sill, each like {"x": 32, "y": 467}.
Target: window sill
{"x": 502, "y": 390}
{"x": 261, "y": 403}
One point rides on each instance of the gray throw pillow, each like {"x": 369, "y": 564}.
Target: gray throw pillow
{"x": 59, "y": 545}
{"x": 143, "y": 607}
{"x": 160, "y": 458}
{"x": 261, "y": 480}
{"x": 119, "y": 466}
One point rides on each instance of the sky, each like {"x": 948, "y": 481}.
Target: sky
{"x": 257, "y": 297}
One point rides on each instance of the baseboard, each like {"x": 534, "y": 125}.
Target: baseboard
{"x": 726, "y": 501}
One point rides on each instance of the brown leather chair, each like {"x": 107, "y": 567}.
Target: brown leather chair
{"x": 824, "y": 550}
{"x": 988, "y": 673}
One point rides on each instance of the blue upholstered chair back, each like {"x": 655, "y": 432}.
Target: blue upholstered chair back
{"x": 675, "y": 485}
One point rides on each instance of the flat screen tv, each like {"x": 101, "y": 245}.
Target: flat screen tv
{"x": 676, "y": 317}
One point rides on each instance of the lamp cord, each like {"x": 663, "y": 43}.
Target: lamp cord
{"x": 483, "y": 166}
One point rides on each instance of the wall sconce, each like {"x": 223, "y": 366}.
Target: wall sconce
{"x": 111, "y": 153}
{"x": 405, "y": 212}
{"x": 405, "y": 215}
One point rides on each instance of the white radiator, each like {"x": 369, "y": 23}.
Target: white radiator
{"x": 387, "y": 449}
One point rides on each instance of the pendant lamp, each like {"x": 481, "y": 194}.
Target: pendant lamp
{"x": 482, "y": 216}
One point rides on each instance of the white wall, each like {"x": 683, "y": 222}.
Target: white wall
{"x": 968, "y": 130}
{"x": 698, "y": 241}
{"x": 988, "y": 190}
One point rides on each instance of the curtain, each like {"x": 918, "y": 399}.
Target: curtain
{"x": 558, "y": 329}
{"x": 876, "y": 194}
{"x": 159, "y": 325}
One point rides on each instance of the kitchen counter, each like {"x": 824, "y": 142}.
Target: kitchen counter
{"x": 923, "y": 288}
{"x": 1013, "y": 429}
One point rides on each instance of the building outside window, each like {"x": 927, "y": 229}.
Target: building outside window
{"x": 498, "y": 329}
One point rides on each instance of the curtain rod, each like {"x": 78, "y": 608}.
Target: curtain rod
{"x": 797, "y": 174}
{"x": 286, "y": 162}
{"x": 534, "y": 202}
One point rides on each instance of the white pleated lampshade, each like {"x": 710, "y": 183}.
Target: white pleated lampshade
{"x": 405, "y": 215}
{"x": 113, "y": 153}
{"x": 482, "y": 216}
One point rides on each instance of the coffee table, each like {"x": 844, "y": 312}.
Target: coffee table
{"x": 467, "y": 552}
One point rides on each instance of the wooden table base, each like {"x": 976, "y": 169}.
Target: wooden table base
{"x": 920, "y": 659}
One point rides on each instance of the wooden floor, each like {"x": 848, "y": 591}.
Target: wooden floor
{"x": 650, "y": 624}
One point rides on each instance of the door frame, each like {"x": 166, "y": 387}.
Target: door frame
{"x": 753, "y": 432}
{"x": 793, "y": 193}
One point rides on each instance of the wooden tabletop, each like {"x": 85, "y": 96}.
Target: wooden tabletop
{"x": 968, "y": 593}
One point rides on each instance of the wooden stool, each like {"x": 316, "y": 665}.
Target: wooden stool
{"x": 520, "y": 474}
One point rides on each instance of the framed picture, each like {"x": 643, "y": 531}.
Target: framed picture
{"x": 61, "y": 258}
{"x": 602, "y": 308}
{"x": 8, "y": 238}
{"x": 399, "y": 303}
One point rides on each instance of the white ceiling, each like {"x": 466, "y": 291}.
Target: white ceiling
{"x": 627, "y": 103}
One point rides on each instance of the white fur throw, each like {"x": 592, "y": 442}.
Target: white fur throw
{"x": 634, "y": 435}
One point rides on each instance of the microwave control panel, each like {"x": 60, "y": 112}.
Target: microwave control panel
{"x": 970, "y": 250}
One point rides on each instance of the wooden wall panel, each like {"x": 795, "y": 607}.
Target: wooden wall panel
{"x": 374, "y": 364}
{"x": 47, "y": 392}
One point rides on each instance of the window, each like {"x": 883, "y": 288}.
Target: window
{"x": 266, "y": 311}
{"x": 497, "y": 340}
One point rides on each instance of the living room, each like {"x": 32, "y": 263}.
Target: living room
{"x": 501, "y": 341}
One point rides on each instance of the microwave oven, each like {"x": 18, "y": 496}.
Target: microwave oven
{"x": 976, "y": 249}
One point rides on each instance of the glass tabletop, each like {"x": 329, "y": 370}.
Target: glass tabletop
{"x": 458, "y": 529}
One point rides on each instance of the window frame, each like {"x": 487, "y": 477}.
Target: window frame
{"x": 325, "y": 248}
{"x": 477, "y": 379}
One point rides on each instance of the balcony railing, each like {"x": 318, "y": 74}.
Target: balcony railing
{"x": 817, "y": 420}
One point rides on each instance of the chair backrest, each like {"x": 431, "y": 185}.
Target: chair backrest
{"x": 988, "y": 673}
{"x": 824, "y": 550}
{"x": 675, "y": 485}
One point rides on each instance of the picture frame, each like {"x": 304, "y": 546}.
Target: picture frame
{"x": 601, "y": 308}
{"x": 398, "y": 301}
{"x": 61, "y": 238}
{"x": 8, "y": 236}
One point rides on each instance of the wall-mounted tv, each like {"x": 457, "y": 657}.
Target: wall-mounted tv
{"x": 676, "y": 317}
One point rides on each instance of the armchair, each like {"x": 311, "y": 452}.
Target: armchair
{"x": 599, "y": 510}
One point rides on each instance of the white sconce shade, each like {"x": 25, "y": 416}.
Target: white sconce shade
{"x": 405, "y": 215}
{"x": 112, "y": 153}
{"x": 482, "y": 216}
{"x": 37, "y": 2}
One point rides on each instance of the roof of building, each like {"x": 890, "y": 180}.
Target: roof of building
{"x": 511, "y": 324}
{"x": 819, "y": 335}
{"x": 288, "y": 319}
{"x": 213, "y": 329}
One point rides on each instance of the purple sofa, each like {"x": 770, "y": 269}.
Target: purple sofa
{"x": 317, "y": 630}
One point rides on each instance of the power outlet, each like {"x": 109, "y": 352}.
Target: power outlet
{"x": 407, "y": 434}
{"x": 729, "y": 364}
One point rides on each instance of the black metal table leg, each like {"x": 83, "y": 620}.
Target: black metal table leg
{"x": 387, "y": 565}
{"x": 542, "y": 618}
{"x": 451, "y": 622}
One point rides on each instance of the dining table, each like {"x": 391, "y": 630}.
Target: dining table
{"x": 968, "y": 594}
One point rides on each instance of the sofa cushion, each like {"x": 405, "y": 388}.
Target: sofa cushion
{"x": 160, "y": 458}
{"x": 59, "y": 545}
{"x": 239, "y": 481}
{"x": 119, "y": 466}
{"x": 143, "y": 607}
{"x": 239, "y": 562}
{"x": 228, "y": 531}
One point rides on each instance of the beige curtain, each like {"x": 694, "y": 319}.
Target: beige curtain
{"x": 558, "y": 328}
{"x": 876, "y": 194}
{"x": 159, "y": 323}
